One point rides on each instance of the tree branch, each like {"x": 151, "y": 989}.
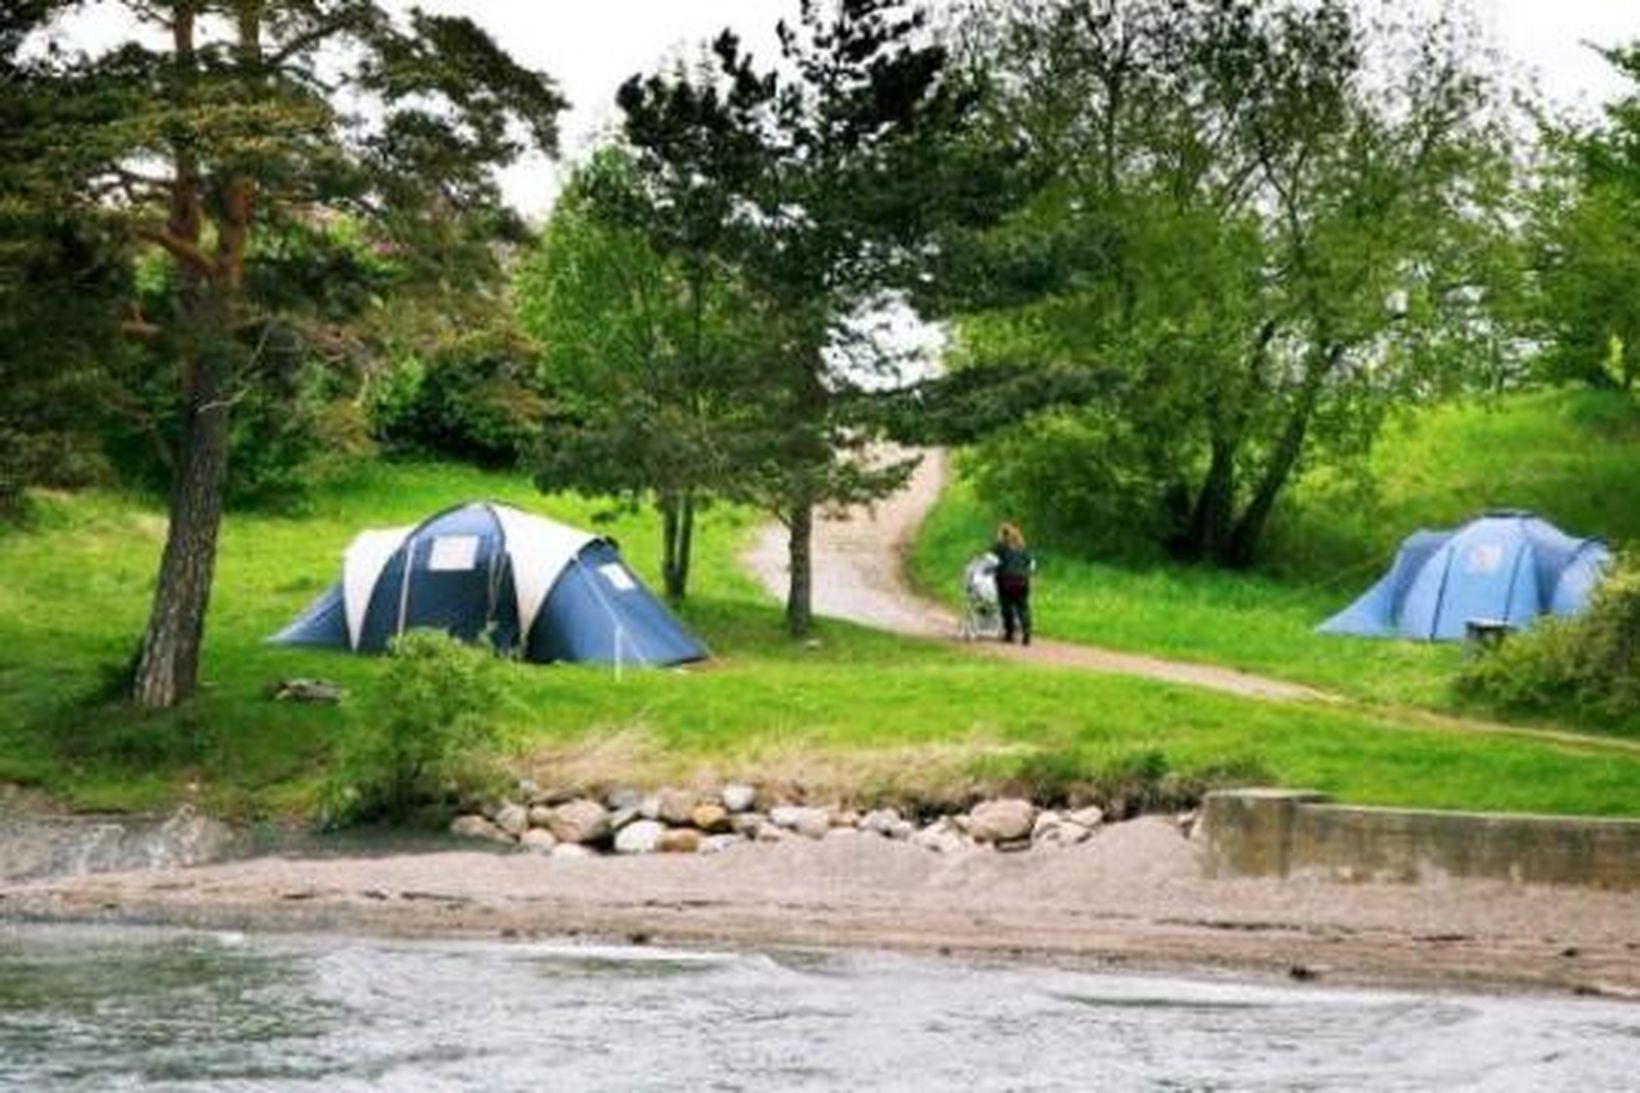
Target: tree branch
{"x": 177, "y": 247}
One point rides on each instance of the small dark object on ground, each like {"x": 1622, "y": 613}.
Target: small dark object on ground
{"x": 306, "y": 690}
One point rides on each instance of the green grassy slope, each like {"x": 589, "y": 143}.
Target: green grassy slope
{"x": 860, "y": 710}
{"x": 1572, "y": 455}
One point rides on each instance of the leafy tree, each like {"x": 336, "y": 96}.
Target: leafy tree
{"x": 1585, "y": 245}
{"x": 820, "y": 181}
{"x": 642, "y": 353}
{"x": 229, "y": 133}
{"x": 1275, "y": 222}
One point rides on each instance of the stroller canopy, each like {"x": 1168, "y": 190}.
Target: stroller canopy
{"x": 1506, "y": 567}
{"x": 534, "y": 587}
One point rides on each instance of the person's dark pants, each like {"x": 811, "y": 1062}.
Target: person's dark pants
{"x": 1014, "y": 597}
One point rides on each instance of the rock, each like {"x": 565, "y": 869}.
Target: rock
{"x": 1067, "y": 834}
{"x": 540, "y": 815}
{"x": 1090, "y": 817}
{"x": 941, "y": 836}
{"x": 650, "y": 807}
{"x": 527, "y": 789}
{"x": 813, "y": 822}
{"x": 844, "y": 833}
{"x": 769, "y": 833}
{"x": 717, "y": 844}
{"x": 571, "y": 850}
{"x": 1047, "y": 826}
{"x": 1186, "y": 822}
{"x": 902, "y": 830}
{"x": 1001, "y": 821}
{"x": 556, "y": 795}
{"x": 675, "y": 805}
{"x": 843, "y": 817}
{"x": 712, "y": 819}
{"x": 477, "y": 827}
{"x": 513, "y": 819}
{"x": 619, "y": 800}
{"x": 747, "y": 823}
{"x": 639, "y": 837}
{"x": 307, "y": 690}
{"x": 881, "y": 821}
{"x": 620, "y": 819}
{"x": 1013, "y": 846}
{"x": 738, "y": 796}
{"x": 537, "y": 840}
{"x": 678, "y": 840}
{"x": 582, "y": 821}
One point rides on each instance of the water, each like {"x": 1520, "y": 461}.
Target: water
{"x": 101, "y": 1009}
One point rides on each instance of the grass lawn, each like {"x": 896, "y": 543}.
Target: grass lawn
{"x": 859, "y": 711}
{"x": 1572, "y": 455}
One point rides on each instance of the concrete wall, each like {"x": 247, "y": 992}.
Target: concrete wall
{"x": 1280, "y": 833}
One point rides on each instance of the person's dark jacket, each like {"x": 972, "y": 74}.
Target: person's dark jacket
{"x": 1013, "y": 566}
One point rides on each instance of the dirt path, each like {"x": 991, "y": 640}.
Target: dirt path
{"x": 859, "y": 575}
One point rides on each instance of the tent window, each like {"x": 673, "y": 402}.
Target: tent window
{"x": 1484, "y": 558}
{"x": 617, "y": 577}
{"x": 453, "y": 553}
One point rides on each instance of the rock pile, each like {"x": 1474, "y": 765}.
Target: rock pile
{"x": 680, "y": 821}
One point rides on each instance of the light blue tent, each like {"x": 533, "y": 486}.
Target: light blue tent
{"x": 536, "y": 588}
{"x": 1507, "y": 567}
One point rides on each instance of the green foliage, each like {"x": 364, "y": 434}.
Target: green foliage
{"x": 476, "y": 398}
{"x": 430, "y": 735}
{"x": 1589, "y": 665}
{"x": 1272, "y": 222}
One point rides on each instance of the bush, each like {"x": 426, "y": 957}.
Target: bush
{"x": 430, "y": 733}
{"x": 476, "y": 399}
{"x": 1586, "y": 667}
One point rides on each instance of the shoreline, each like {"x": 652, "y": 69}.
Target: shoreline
{"x": 1133, "y": 898}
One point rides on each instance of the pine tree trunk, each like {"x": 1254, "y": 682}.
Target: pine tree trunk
{"x": 168, "y": 668}
{"x": 670, "y": 576}
{"x": 686, "y": 542}
{"x": 800, "y": 594}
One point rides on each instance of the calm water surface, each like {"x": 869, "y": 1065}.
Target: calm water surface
{"x": 100, "y": 1009}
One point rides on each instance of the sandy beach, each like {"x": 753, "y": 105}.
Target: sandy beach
{"x": 1133, "y": 896}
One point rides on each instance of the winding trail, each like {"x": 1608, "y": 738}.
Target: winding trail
{"x": 859, "y": 575}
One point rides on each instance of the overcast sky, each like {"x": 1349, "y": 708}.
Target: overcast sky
{"x": 591, "y": 46}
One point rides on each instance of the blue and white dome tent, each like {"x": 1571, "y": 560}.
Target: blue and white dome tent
{"x": 539, "y": 589}
{"x": 1507, "y": 567}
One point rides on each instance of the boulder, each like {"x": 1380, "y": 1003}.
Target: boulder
{"x": 527, "y": 789}
{"x": 537, "y": 840}
{"x": 844, "y": 833}
{"x": 621, "y": 818}
{"x": 582, "y": 821}
{"x": 477, "y": 827}
{"x": 747, "y": 823}
{"x": 769, "y": 833}
{"x": 678, "y": 840}
{"x": 639, "y": 837}
{"x": 1089, "y": 817}
{"x": 619, "y": 800}
{"x": 513, "y": 819}
{"x": 813, "y": 822}
{"x": 844, "y": 817}
{"x": 738, "y": 796}
{"x": 712, "y": 819}
{"x": 941, "y": 836}
{"x": 540, "y": 815}
{"x": 1001, "y": 821}
{"x": 675, "y": 805}
{"x": 881, "y": 821}
{"x": 571, "y": 850}
{"x": 717, "y": 844}
{"x": 650, "y": 807}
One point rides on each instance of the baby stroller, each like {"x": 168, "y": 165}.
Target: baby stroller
{"x": 982, "y": 612}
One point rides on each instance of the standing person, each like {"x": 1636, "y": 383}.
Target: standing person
{"x": 1013, "y": 574}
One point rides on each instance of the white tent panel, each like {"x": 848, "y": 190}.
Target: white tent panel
{"x": 540, "y": 549}
{"x": 362, "y": 566}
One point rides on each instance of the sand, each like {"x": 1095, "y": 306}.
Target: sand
{"x": 1132, "y": 896}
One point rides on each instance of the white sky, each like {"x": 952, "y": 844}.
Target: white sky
{"x": 591, "y": 46}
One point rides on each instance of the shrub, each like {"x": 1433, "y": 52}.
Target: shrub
{"x": 1586, "y": 667}
{"x": 430, "y": 733}
{"x": 475, "y": 399}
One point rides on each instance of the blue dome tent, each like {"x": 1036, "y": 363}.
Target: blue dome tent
{"x": 540, "y": 589}
{"x": 1506, "y": 567}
